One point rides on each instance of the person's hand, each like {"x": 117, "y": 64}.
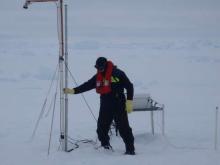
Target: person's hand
{"x": 68, "y": 91}
{"x": 129, "y": 106}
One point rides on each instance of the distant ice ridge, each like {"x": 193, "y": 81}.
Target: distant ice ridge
{"x": 148, "y": 45}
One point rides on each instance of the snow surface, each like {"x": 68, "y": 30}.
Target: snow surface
{"x": 169, "y": 49}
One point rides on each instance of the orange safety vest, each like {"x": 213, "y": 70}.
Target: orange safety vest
{"x": 103, "y": 83}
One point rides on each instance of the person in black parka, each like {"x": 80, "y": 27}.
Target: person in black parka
{"x": 110, "y": 82}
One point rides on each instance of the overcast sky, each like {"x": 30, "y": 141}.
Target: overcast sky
{"x": 122, "y": 17}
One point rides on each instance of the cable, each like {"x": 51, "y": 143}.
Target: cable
{"x": 44, "y": 104}
{"x": 82, "y": 141}
{"x": 50, "y": 107}
{"x": 51, "y": 128}
{"x": 53, "y": 78}
{"x": 87, "y": 104}
{"x": 54, "y": 107}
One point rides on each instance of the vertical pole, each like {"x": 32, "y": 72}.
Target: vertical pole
{"x": 163, "y": 121}
{"x": 63, "y": 103}
{"x": 216, "y": 128}
{"x": 61, "y": 61}
{"x": 61, "y": 28}
{"x": 66, "y": 80}
{"x": 152, "y": 121}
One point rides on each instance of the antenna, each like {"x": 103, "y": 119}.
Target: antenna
{"x": 63, "y": 77}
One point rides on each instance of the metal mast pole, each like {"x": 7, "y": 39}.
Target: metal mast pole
{"x": 63, "y": 98}
{"x": 216, "y": 129}
{"x": 66, "y": 79}
{"x": 63, "y": 137}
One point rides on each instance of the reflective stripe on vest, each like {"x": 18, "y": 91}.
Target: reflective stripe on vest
{"x": 115, "y": 79}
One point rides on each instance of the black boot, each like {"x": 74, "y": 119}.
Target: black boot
{"x": 129, "y": 153}
{"x": 107, "y": 147}
{"x": 130, "y": 150}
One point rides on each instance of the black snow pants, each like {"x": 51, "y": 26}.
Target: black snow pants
{"x": 113, "y": 107}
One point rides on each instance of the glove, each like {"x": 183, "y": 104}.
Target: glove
{"x": 68, "y": 91}
{"x": 129, "y": 106}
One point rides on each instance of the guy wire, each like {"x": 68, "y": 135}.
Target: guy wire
{"x": 87, "y": 104}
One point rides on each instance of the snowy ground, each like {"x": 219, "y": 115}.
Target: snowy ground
{"x": 170, "y": 50}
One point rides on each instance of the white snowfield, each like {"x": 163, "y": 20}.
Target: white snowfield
{"x": 169, "y": 49}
